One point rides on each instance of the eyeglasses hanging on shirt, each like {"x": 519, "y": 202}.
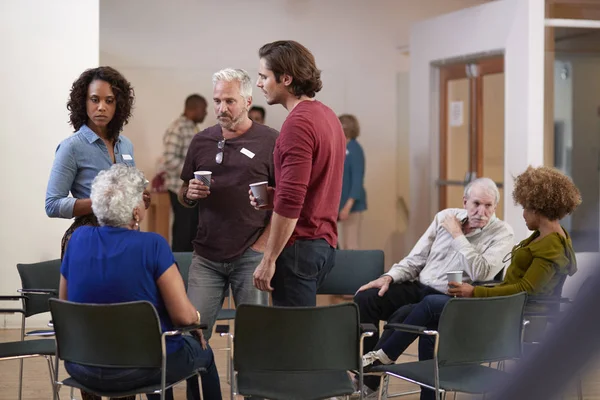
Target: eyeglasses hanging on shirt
{"x": 221, "y": 147}
{"x": 508, "y": 257}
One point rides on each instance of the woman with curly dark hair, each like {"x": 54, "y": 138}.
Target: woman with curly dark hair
{"x": 100, "y": 105}
{"x": 537, "y": 265}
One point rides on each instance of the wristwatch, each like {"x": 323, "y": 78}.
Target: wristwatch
{"x": 188, "y": 201}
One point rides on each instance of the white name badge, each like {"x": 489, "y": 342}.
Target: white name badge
{"x": 247, "y": 152}
{"x": 127, "y": 157}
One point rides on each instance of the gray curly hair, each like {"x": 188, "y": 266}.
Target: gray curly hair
{"x": 115, "y": 193}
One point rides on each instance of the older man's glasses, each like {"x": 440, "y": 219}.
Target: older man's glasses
{"x": 219, "y": 156}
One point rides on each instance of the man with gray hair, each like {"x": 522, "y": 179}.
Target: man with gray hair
{"x": 231, "y": 235}
{"x": 470, "y": 240}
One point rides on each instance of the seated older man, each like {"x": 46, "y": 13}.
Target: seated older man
{"x": 471, "y": 240}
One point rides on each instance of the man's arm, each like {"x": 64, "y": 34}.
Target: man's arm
{"x": 260, "y": 244}
{"x": 484, "y": 264}
{"x": 281, "y": 231}
{"x": 411, "y": 265}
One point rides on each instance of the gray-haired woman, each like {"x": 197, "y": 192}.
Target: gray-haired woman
{"x": 115, "y": 263}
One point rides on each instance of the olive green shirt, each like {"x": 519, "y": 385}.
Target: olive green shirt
{"x": 536, "y": 267}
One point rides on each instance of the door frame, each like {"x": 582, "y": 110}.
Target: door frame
{"x": 514, "y": 28}
{"x": 490, "y": 64}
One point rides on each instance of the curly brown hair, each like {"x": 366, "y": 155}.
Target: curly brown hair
{"x": 124, "y": 97}
{"x": 287, "y": 57}
{"x": 546, "y": 191}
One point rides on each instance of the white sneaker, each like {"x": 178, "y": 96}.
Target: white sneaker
{"x": 376, "y": 358}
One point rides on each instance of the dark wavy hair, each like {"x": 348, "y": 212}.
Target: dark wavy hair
{"x": 287, "y": 57}
{"x": 546, "y": 191}
{"x": 124, "y": 97}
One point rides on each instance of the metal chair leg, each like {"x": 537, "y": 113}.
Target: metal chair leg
{"x": 579, "y": 388}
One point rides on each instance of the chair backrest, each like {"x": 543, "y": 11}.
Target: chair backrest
{"x": 481, "y": 330}
{"x": 184, "y": 260}
{"x": 352, "y": 269}
{"x": 296, "y": 339}
{"x": 41, "y": 275}
{"x": 126, "y": 335}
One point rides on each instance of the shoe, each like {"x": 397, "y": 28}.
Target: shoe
{"x": 370, "y": 394}
{"x": 374, "y": 358}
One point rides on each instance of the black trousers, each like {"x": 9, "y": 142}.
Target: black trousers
{"x": 185, "y": 225}
{"x": 393, "y": 306}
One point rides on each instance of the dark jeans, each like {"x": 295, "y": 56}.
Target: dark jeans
{"x": 374, "y": 308}
{"x": 179, "y": 364}
{"x": 300, "y": 270}
{"x": 185, "y": 225}
{"x": 394, "y": 343}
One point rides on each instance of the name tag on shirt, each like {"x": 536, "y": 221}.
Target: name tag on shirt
{"x": 127, "y": 157}
{"x": 247, "y": 152}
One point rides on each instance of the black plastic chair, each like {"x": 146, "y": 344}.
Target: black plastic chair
{"x": 19, "y": 350}
{"x": 302, "y": 353}
{"x": 470, "y": 332}
{"x": 39, "y": 282}
{"x": 109, "y": 335}
{"x": 352, "y": 269}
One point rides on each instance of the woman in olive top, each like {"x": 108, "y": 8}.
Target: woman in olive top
{"x": 537, "y": 265}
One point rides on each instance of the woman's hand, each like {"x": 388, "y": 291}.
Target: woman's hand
{"x": 460, "y": 289}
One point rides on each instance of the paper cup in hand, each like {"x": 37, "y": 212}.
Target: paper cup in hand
{"x": 454, "y": 276}
{"x": 259, "y": 191}
{"x": 203, "y": 176}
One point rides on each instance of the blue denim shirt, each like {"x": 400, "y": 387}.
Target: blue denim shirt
{"x": 78, "y": 160}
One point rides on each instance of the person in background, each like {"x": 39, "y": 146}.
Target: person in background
{"x": 354, "y": 197}
{"x": 176, "y": 141}
{"x": 257, "y": 114}
{"x": 100, "y": 104}
{"x": 309, "y": 164}
{"x": 538, "y": 264}
{"x": 115, "y": 263}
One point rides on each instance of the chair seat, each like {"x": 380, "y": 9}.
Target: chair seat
{"x": 141, "y": 390}
{"x": 42, "y": 347}
{"x": 301, "y": 385}
{"x": 225, "y": 314}
{"x": 469, "y": 378}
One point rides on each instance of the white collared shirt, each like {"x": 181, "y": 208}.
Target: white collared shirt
{"x": 478, "y": 254}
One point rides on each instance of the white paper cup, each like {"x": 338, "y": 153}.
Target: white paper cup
{"x": 454, "y": 276}
{"x": 259, "y": 191}
{"x": 203, "y": 176}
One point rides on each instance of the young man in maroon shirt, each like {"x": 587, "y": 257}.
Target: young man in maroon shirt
{"x": 309, "y": 163}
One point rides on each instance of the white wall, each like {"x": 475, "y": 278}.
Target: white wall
{"x": 515, "y": 27}
{"x": 172, "y": 49}
{"x": 44, "y": 46}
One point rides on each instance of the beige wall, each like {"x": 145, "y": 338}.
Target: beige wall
{"x": 173, "y": 48}
{"x": 44, "y": 46}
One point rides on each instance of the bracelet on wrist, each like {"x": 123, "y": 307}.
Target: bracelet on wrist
{"x": 189, "y": 202}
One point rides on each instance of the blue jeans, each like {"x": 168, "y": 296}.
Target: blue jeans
{"x": 300, "y": 270}
{"x": 208, "y": 282}
{"x": 179, "y": 364}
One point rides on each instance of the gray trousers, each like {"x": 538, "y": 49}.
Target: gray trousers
{"x": 208, "y": 283}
